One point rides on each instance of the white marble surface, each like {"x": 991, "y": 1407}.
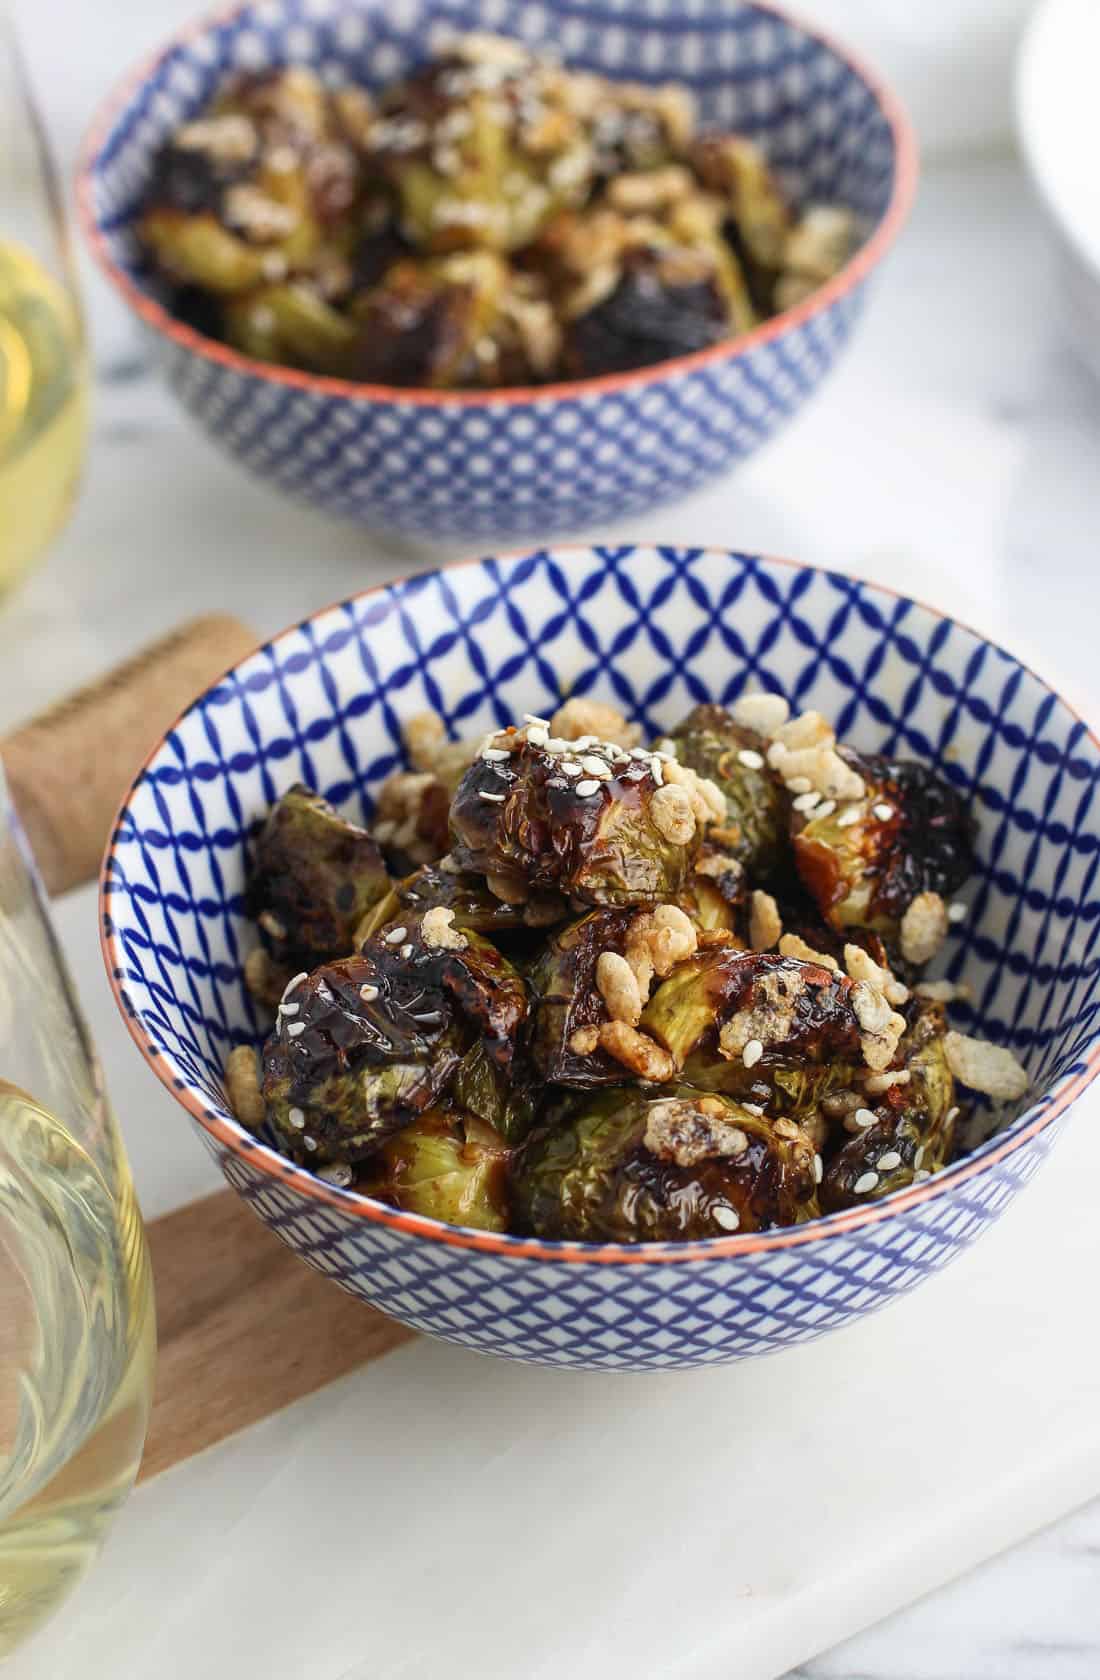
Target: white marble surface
{"x": 953, "y": 454}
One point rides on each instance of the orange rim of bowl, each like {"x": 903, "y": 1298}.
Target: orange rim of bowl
{"x": 156, "y": 316}
{"x": 238, "y": 1141}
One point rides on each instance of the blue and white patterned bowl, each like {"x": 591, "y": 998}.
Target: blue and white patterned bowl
{"x": 557, "y": 457}
{"x": 655, "y": 630}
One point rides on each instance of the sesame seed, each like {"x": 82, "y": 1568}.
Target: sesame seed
{"x": 752, "y": 1052}
{"x": 656, "y": 772}
{"x": 368, "y": 993}
{"x": 753, "y": 1108}
{"x": 296, "y": 1029}
{"x": 537, "y": 737}
{"x": 918, "y": 1158}
{"x": 570, "y": 767}
{"x": 727, "y": 1217}
{"x": 289, "y": 1008}
{"x": 889, "y": 1161}
{"x": 556, "y": 745}
{"x": 291, "y": 985}
{"x": 586, "y": 788}
{"x": 848, "y": 816}
{"x": 800, "y": 784}
{"x": 952, "y": 1114}
{"x": 863, "y": 1118}
{"x": 310, "y": 1143}
{"x": 583, "y": 742}
{"x": 296, "y": 1118}
{"x": 595, "y": 766}
{"x": 495, "y": 755}
{"x": 919, "y": 1178}
{"x": 667, "y": 757}
{"x": 751, "y": 760}
{"x": 825, "y": 810}
{"x": 806, "y": 801}
{"x": 490, "y": 798}
{"x": 396, "y": 935}
{"x": 639, "y": 752}
{"x": 406, "y": 952}
{"x": 338, "y": 1174}
{"x": 819, "y": 1169}
{"x": 529, "y": 718}
{"x": 865, "y": 1182}
{"x": 957, "y": 912}
{"x": 883, "y": 812}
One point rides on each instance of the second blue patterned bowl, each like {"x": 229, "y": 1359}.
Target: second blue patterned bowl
{"x": 655, "y": 630}
{"x": 556, "y": 457}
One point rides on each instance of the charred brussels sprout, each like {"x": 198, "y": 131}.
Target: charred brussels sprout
{"x": 768, "y": 1029}
{"x": 866, "y": 861}
{"x": 667, "y": 301}
{"x": 625, "y": 1167}
{"x": 480, "y": 150}
{"x": 364, "y": 1045}
{"x": 445, "y": 1165}
{"x": 757, "y": 804}
{"x": 314, "y": 877}
{"x": 474, "y": 906}
{"x": 567, "y": 1001}
{"x": 586, "y": 819}
{"x": 424, "y": 322}
{"x": 290, "y": 324}
{"x": 914, "y": 1126}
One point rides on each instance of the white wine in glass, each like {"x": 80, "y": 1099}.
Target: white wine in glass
{"x": 43, "y": 364}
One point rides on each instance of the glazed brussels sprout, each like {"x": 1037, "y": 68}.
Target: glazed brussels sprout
{"x": 765, "y": 1028}
{"x": 291, "y": 324}
{"x": 757, "y": 805}
{"x": 569, "y": 1008}
{"x": 586, "y": 818}
{"x": 364, "y": 1045}
{"x": 473, "y": 905}
{"x": 626, "y": 1167}
{"x": 665, "y": 301}
{"x": 865, "y": 861}
{"x": 481, "y": 147}
{"x": 313, "y": 878}
{"x": 446, "y": 1165}
{"x": 904, "y": 1133}
{"x": 262, "y": 186}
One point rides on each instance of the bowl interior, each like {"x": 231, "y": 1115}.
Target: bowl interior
{"x": 656, "y": 630}
{"x": 824, "y": 126}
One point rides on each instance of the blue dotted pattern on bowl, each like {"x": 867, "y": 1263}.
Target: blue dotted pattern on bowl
{"x": 556, "y": 462}
{"x": 655, "y": 630}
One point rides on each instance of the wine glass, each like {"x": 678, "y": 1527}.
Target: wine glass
{"x": 77, "y": 1334}
{"x": 43, "y": 365}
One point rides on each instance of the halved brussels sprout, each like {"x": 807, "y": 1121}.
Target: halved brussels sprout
{"x": 757, "y": 804}
{"x": 290, "y": 324}
{"x": 667, "y": 300}
{"x": 430, "y": 322}
{"x": 446, "y": 1165}
{"x": 627, "y": 1167}
{"x": 566, "y": 999}
{"x": 768, "y": 1029}
{"x": 865, "y": 861}
{"x": 362, "y": 1046}
{"x": 480, "y": 152}
{"x": 914, "y": 1128}
{"x": 313, "y": 878}
{"x": 429, "y": 887}
{"x": 589, "y": 820}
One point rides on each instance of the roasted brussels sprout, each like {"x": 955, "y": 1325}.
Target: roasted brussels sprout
{"x": 585, "y": 818}
{"x": 757, "y": 804}
{"x": 262, "y": 186}
{"x": 364, "y": 1045}
{"x": 430, "y": 887}
{"x": 626, "y": 1167}
{"x": 902, "y": 1133}
{"x": 314, "y": 876}
{"x": 665, "y": 301}
{"x": 290, "y": 324}
{"x": 866, "y": 860}
{"x": 481, "y": 147}
{"x": 567, "y": 1000}
{"x": 768, "y": 1029}
{"x": 446, "y": 1165}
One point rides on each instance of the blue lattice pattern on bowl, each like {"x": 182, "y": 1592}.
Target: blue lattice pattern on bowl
{"x": 545, "y": 460}
{"x": 654, "y": 629}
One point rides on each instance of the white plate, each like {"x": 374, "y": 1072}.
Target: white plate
{"x": 1058, "y": 121}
